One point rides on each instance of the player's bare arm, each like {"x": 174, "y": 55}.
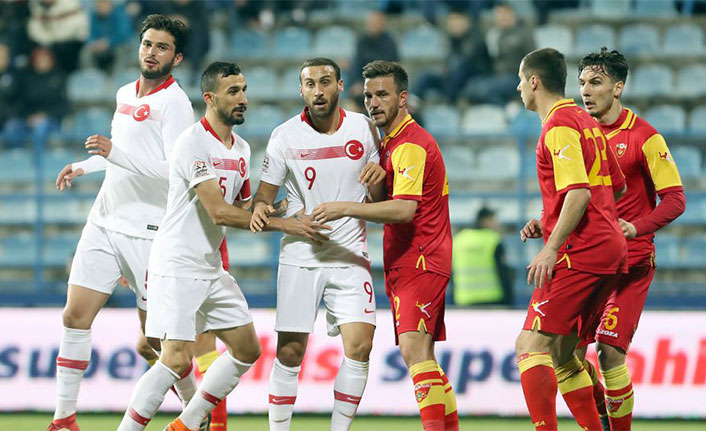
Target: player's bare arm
{"x": 532, "y": 229}
{"x": 222, "y": 214}
{"x": 66, "y": 175}
{"x": 389, "y": 211}
{"x": 541, "y": 267}
{"x": 262, "y": 206}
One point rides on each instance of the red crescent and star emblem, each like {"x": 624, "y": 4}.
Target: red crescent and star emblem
{"x": 141, "y": 113}
{"x": 354, "y": 149}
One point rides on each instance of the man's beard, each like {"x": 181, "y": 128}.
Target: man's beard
{"x": 333, "y": 104}
{"x": 228, "y": 118}
{"x": 154, "y": 74}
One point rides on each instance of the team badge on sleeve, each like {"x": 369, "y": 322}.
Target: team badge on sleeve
{"x": 265, "y": 164}
{"x": 200, "y": 169}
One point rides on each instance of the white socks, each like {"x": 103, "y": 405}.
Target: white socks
{"x": 186, "y": 386}
{"x": 347, "y": 391}
{"x": 283, "y": 393}
{"x": 147, "y": 397}
{"x": 74, "y": 357}
{"x": 221, "y": 378}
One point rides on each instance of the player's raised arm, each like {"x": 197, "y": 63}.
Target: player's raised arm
{"x": 222, "y": 214}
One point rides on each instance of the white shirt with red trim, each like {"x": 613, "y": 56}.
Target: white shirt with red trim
{"x": 132, "y": 201}
{"x": 187, "y": 244}
{"x": 317, "y": 168}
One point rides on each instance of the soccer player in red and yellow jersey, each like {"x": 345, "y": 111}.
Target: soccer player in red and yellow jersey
{"x": 417, "y": 237}
{"x": 650, "y": 171}
{"x": 584, "y": 248}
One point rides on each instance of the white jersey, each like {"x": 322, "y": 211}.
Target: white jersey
{"x": 317, "y": 168}
{"x": 144, "y": 128}
{"x": 187, "y": 244}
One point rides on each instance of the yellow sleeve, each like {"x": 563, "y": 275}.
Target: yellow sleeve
{"x": 564, "y": 145}
{"x": 660, "y": 163}
{"x": 408, "y": 163}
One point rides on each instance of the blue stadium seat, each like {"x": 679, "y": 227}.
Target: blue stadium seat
{"x": 651, "y": 80}
{"x": 691, "y": 81}
{"x": 498, "y": 163}
{"x": 292, "y": 43}
{"x": 654, "y": 8}
{"x": 688, "y": 160}
{"x": 262, "y": 84}
{"x": 442, "y": 120}
{"x": 18, "y": 211}
{"x": 261, "y": 120}
{"x": 124, "y": 76}
{"x": 17, "y": 251}
{"x": 353, "y": 10}
{"x": 16, "y": 166}
{"x": 668, "y": 119}
{"x": 336, "y": 42}
{"x": 245, "y": 249}
{"x": 484, "y": 119}
{"x": 591, "y": 38}
{"x": 66, "y": 211}
{"x": 610, "y": 8}
{"x": 54, "y": 161}
{"x": 463, "y": 209}
{"x": 249, "y": 44}
{"x": 683, "y": 39}
{"x": 695, "y": 251}
{"x": 375, "y": 249}
{"x": 256, "y": 159}
{"x": 695, "y": 212}
{"x": 639, "y": 39}
{"x": 697, "y": 120}
{"x": 555, "y": 36}
{"x": 667, "y": 251}
{"x": 289, "y": 85}
{"x": 90, "y": 121}
{"x": 423, "y": 43}
{"x": 58, "y": 250}
{"x": 89, "y": 86}
{"x": 460, "y": 162}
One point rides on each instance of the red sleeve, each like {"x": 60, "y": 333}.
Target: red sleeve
{"x": 224, "y": 255}
{"x": 671, "y": 205}
{"x": 245, "y": 192}
{"x": 617, "y": 177}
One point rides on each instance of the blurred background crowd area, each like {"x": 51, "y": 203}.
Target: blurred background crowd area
{"x": 61, "y": 62}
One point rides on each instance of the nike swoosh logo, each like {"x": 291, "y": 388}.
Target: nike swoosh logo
{"x": 305, "y": 154}
{"x": 216, "y": 163}
{"x": 368, "y": 311}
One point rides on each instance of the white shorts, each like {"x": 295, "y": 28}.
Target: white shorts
{"x": 347, "y": 292}
{"x": 102, "y": 256}
{"x": 179, "y": 308}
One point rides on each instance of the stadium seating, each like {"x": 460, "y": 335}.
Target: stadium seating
{"x": 442, "y": 120}
{"x": 463, "y": 209}
{"x": 246, "y": 249}
{"x": 57, "y": 250}
{"x": 683, "y": 39}
{"x": 423, "y": 43}
{"x": 695, "y": 251}
{"x": 612, "y": 9}
{"x": 335, "y": 42}
{"x": 13, "y": 212}
{"x": 499, "y": 163}
{"x": 667, "y": 250}
{"x": 16, "y": 166}
{"x": 89, "y": 121}
{"x": 555, "y": 36}
{"x": 484, "y": 119}
{"x": 697, "y": 120}
{"x": 89, "y": 86}
{"x": 262, "y": 84}
{"x": 688, "y": 160}
{"x": 249, "y": 45}
{"x": 691, "y": 81}
{"x": 650, "y": 80}
{"x": 592, "y": 37}
{"x": 292, "y": 43}
{"x": 288, "y": 84}
{"x": 654, "y": 8}
{"x": 67, "y": 210}
{"x": 261, "y": 120}
{"x": 460, "y": 162}
{"x": 667, "y": 119}
{"x": 54, "y": 161}
{"x": 639, "y": 39}
{"x": 18, "y": 251}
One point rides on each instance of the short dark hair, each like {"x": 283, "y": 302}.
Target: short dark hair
{"x": 321, "y": 61}
{"x": 379, "y": 68}
{"x": 550, "y": 66}
{"x": 173, "y": 26}
{"x": 612, "y": 63}
{"x": 214, "y": 71}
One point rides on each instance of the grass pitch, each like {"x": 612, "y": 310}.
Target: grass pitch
{"x": 109, "y": 422}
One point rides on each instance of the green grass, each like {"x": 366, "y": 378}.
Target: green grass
{"x": 109, "y": 422}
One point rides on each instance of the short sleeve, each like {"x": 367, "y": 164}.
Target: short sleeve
{"x": 373, "y": 142}
{"x": 660, "y": 163}
{"x": 178, "y": 116}
{"x": 564, "y": 146}
{"x": 408, "y": 164}
{"x": 193, "y": 163}
{"x": 274, "y": 166}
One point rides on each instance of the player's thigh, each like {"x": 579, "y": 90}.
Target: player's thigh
{"x": 349, "y": 297}
{"x": 565, "y": 304}
{"x": 418, "y": 301}
{"x": 357, "y": 340}
{"x": 623, "y": 308}
{"x": 133, "y": 257}
{"x": 299, "y": 292}
{"x": 94, "y": 268}
{"x": 172, "y": 313}
{"x": 242, "y": 342}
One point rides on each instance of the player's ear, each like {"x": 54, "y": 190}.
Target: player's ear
{"x": 618, "y": 89}
{"x": 403, "y": 99}
{"x": 177, "y": 59}
{"x": 207, "y": 97}
{"x": 534, "y": 82}
{"x": 340, "y": 85}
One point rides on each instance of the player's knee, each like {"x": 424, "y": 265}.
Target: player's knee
{"x": 609, "y": 356}
{"x": 250, "y": 354}
{"x": 359, "y": 350}
{"x": 179, "y": 362}
{"x": 145, "y": 350}
{"x": 76, "y": 318}
{"x": 290, "y": 355}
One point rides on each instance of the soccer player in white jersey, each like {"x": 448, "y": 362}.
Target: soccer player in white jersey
{"x": 323, "y": 154}
{"x": 116, "y": 239}
{"x": 190, "y": 291}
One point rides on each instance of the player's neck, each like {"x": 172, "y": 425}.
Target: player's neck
{"x": 545, "y": 102}
{"x": 327, "y": 125}
{"x": 401, "y": 115}
{"x": 223, "y": 130}
{"x": 611, "y": 115}
{"x": 149, "y": 85}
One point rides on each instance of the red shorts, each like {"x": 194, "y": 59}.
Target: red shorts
{"x": 571, "y": 302}
{"x": 418, "y": 301}
{"x": 623, "y": 308}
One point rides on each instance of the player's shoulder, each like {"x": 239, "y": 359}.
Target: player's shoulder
{"x": 416, "y": 134}
{"x": 242, "y": 143}
{"x": 568, "y": 115}
{"x": 127, "y": 90}
{"x": 190, "y": 136}
{"x": 641, "y": 128}
{"x": 289, "y": 126}
{"x": 175, "y": 94}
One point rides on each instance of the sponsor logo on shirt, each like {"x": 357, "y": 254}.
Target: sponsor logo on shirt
{"x": 423, "y": 308}
{"x": 536, "y": 305}
{"x": 559, "y": 154}
{"x": 607, "y": 333}
{"x": 620, "y": 149}
{"x": 665, "y": 156}
{"x": 405, "y": 172}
